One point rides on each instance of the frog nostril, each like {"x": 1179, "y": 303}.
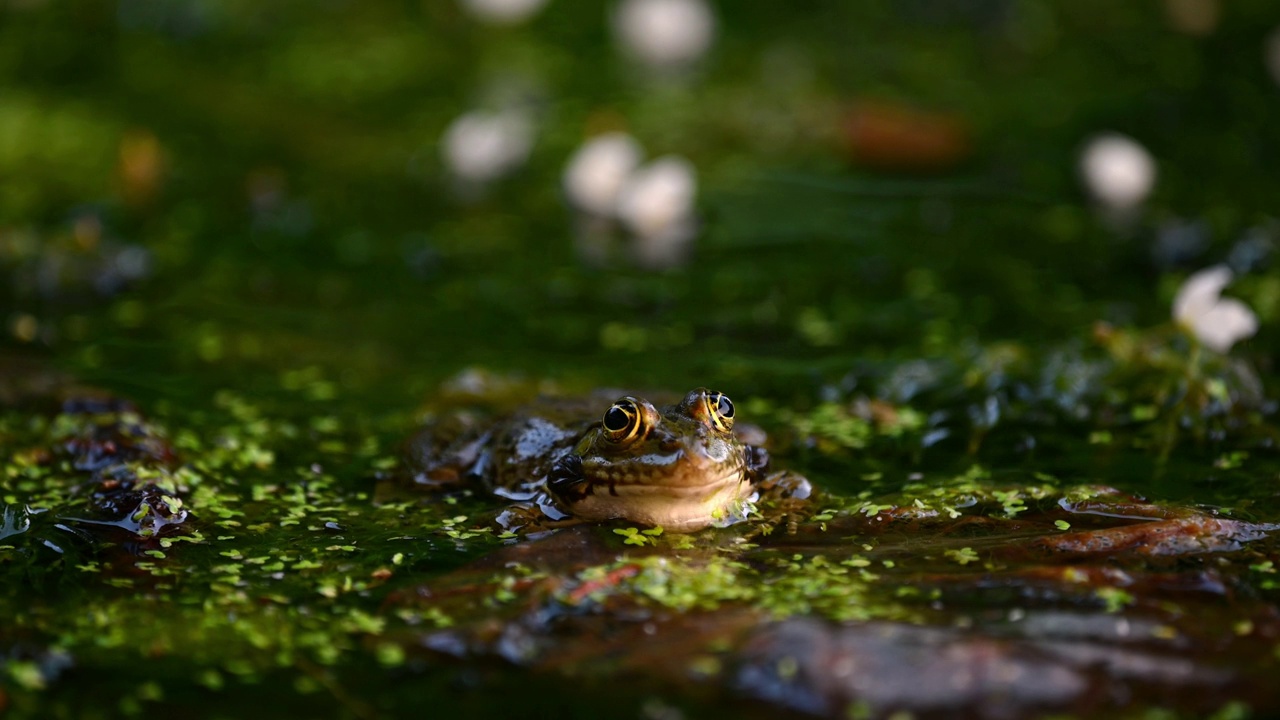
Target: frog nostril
{"x": 670, "y": 445}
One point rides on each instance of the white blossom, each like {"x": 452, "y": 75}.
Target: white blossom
{"x": 482, "y": 146}
{"x": 653, "y": 204}
{"x": 503, "y": 12}
{"x": 1217, "y": 322}
{"x": 595, "y": 175}
{"x": 1117, "y": 171}
{"x": 665, "y": 33}
{"x": 657, "y": 206}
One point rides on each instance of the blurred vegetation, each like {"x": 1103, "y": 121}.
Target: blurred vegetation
{"x": 361, "y": 257}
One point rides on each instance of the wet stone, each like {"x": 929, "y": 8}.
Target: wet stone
{"x": 811, "y": 666}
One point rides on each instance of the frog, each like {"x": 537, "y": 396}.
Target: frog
{"x": 683, "y": 466}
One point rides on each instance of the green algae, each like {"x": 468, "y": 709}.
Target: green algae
{"x": 285, "y": 563}
{"x": 247, "y": 590}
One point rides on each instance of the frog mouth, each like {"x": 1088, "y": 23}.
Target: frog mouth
{"x": 681, "y": 486}
{"x": 680, "y": 502}
{"x": 569, "y": 481}
{"x": 676, "y": 508}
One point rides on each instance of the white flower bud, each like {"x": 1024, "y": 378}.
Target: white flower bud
{"x": 665, "y": 33}
{"x": 1117, "y": 171}
{"x": 483, "y": 146}
{"x": 595, "y": 175}
{"x": 658, "y": 196}
{"x": 657, "y": 206}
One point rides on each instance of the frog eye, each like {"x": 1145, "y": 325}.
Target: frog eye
{"x": 623, "y": 421}
{"x": 720, "y": 411}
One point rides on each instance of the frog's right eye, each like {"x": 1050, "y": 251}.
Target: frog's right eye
{"x": 623, "y": 421}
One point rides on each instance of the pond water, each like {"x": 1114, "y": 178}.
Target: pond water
{"x": 933, "y": 249}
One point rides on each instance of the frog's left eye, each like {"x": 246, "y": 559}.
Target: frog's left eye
{"x": 623, "y": 422}
{"x": 720, "y": 411}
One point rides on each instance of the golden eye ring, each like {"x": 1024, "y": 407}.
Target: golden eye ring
{"x": 719, "y": 411}
{"x": 623, "y": 421}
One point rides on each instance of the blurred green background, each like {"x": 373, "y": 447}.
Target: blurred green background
{"x": 274, "y": 171}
